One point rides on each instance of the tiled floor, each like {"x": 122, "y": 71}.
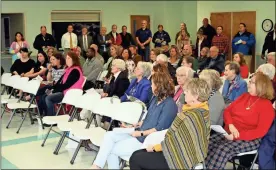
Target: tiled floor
{"x": 24, "y": 151}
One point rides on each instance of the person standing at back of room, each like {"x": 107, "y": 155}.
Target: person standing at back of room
{"x": 44, "y": 40}
{"x": 115, "y": 37}
{"x": 84, "y": 41}
{"x": 104, "y": 43}
{"x": 69, "y": 40}
{"x": 143, "y": 38}
{"x": 127, "y": 39}
{"x": 270, "y": 42}
{"x": 161, "y": 37}
{"x": 243, "y": 42}
{"x": 208, "y": 31}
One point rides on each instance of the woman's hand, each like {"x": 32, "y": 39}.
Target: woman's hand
{"x": 49, "y": 66}
{"x": 137, "y": 125}
{"x": 150, "y": 148}
{"x": 229, "y": 137}
{"x": 234, "y": 131}
{"x": 104, "y": 95}
{"x": 136, "y": 134}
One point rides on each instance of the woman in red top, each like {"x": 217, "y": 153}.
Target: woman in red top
{"x": 246, "y": 120}
{"x": 239, "y": 58}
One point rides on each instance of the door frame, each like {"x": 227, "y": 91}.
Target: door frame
{"x": 24, "y": 21}
{"x": 149, "y": 23}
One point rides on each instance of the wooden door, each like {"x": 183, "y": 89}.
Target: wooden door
{"x": 249, "y": 18}
{"x": 136, "y": 23}
{"x": 223, "y": 19}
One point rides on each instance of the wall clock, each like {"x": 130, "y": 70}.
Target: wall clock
{"x": 267, "y": 25}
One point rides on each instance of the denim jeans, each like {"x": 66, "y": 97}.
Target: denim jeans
{"x": 144, "y": 53}
{"x": 50, "y": 102}
{"x": 116, "y": 145}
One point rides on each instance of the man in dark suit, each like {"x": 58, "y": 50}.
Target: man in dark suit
{"x": 44, "y": 40}
{"x": 104, "y": 43}
{"x": 270, "y": 42}
{"x": 84, "y": 41}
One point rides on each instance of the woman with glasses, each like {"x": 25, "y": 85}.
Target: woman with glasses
{"x": 246, "y": 120}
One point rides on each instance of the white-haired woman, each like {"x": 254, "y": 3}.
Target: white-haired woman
{"x": 268, "y": 70}
{"x": 119, "y": 81}
{"x": 183, "y": 74}
{"x": 215, "y": 101}
{"x": 140, "y": 86}
{"x": 118, "y": 84}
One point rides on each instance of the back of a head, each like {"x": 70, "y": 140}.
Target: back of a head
{"x": 212, "y": 77}
{"x": 267, "y": 69}
{"x": 162, "y": 58}
{"x": 164, "y": 85}
{"x": 160, "y": 68}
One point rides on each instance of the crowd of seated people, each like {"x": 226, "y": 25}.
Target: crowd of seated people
{"x": 180, "y": 85}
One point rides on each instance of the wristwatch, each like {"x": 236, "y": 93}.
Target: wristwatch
{"x": 142, "y": 134}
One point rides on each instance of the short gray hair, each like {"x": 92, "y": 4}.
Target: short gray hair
{"x": 199, "y": 87}
{"x": 162, "y": 57}
{"x": 187, "y": 70}
{"x": 146, "y": 67}
{"x": 212, "y": 77}
{"x": 119, "y": 63}
{"x": 267, "y": 69}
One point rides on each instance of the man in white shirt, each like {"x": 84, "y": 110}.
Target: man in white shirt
{"x": 69, "y": 40}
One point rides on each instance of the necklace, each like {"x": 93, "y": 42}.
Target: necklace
{"x": 249, "y": 106}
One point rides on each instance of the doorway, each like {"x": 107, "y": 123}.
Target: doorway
{"x": 230, "y": 22}
{"x": 10, "y": 23}
{"x": 136, "y": 23}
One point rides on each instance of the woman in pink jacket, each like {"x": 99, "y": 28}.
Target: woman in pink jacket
{"x": 71, "y": 79}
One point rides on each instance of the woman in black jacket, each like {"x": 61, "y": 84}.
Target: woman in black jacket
{"x": 201, "y": 42}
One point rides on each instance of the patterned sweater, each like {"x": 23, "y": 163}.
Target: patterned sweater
{"x": 186, "y": 142}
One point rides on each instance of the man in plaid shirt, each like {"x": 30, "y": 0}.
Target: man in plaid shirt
{"x": 221, "y": 41}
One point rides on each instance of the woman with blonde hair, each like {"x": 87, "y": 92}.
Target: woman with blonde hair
{"x": 186, "y": 141}
{"x": 246, "y": 120}
{"x": 153, "y": 54}
{"x": 182, "y": 40}
{"x": 215, "y": 101}
{"x": 174, "y": 56}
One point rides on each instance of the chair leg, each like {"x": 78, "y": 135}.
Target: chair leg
{"x": 234, "y": 164}
{"x": 60, "y": 143}
{"x": 204, "y": 165}
{"x": 40, "y": 116}
{"x": 123, "y": 164}
{"x": 4, "y": 109}
{"x": 255, "y": 158}
{"x": 47, "y": 135}
{"x": 76, "y": 152}
{"x": 13, "y": 113}
{"x": 30, "y": 116}
{"x": 25, "y": 115}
